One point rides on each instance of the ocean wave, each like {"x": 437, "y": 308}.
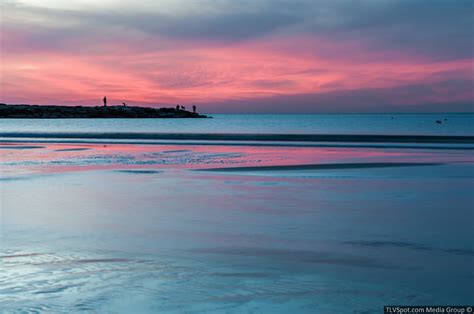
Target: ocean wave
{"x": 250, "y": 137}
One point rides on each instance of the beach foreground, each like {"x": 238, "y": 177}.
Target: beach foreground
{"x": 222, "y": 228}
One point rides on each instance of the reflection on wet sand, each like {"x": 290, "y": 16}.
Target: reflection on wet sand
{"x": 57, "y": 158}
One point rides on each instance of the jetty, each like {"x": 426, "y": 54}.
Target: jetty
{"x": 83, "y": 112}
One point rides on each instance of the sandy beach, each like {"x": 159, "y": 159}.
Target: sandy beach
{"x": 234, "y": 228}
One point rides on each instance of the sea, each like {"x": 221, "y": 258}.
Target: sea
{"x": 394, "y": 124}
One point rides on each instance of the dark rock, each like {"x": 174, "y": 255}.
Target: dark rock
{"x": 61, "y": 112}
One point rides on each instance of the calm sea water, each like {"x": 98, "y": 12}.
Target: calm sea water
{"x": 397, "y": 124}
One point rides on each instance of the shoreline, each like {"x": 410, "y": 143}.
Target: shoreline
{"x": 433, "y": 146}
{"x": 365, "y": 138}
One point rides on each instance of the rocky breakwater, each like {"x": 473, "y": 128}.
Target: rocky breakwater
{"x": 74, "y": 112}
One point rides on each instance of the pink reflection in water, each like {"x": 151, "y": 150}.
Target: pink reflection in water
{"x": 56, "y": 158}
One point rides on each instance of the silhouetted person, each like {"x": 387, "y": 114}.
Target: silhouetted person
{"x": 105, "y": 101}
{"x": 177, "y": 107}
{"x": 194, "y": 108}
{"x": 124, "y": 104}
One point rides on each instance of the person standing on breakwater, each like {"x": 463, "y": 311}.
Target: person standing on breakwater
{"x": 194, "y": 108}
{"x": 105, "y": 101}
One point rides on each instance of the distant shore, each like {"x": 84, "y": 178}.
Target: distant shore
{"x": 97, "y": 112}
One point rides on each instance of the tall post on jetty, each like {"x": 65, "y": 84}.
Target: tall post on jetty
{"x": 105, "y": 101}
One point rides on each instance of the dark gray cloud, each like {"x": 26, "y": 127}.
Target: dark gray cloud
{"x": 408, "y": 98}
{"x": 439, "y": 29}
{"x": 227, "y": 27}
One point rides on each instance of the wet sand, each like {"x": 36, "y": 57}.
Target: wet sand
{"x": 359, "y": 165}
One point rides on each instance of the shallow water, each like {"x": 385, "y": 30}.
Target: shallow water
{"x": 137, "y": 228}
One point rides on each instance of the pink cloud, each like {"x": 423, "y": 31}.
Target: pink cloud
{"x": 165, "y": 71}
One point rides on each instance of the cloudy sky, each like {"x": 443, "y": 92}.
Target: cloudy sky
{"x": 241, "y": 55}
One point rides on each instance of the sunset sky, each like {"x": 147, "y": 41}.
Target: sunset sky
{"x": 241, "y": 56}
